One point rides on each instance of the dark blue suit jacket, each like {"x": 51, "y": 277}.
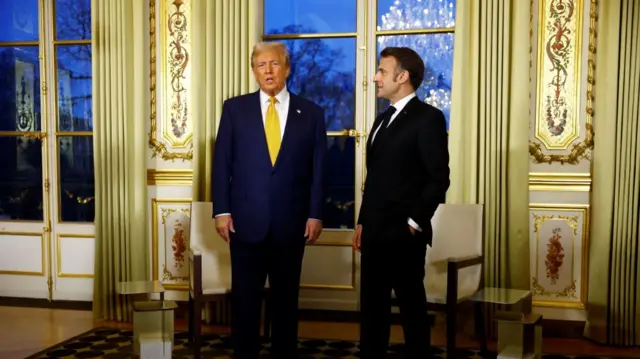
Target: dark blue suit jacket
{"x": 259, "y": 196}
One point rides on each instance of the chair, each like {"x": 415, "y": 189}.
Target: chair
{"x": 209, "y": 270}
{"x": 453, "y": 269}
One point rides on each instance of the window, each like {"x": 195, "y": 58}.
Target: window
{"x": 45, "y": 111}
{"x": 427, "y": 26}
{"x": 327, "y": 41}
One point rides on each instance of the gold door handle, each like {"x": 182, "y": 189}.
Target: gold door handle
{"x": 353, "y": 133}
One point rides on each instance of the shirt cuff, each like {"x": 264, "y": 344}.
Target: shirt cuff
{"x": 315, "y": 219}
{"x": 414, "y": 225}
{"x": 222, "y": 214}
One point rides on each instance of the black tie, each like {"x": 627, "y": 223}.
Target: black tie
{"x": 382, "y": 131}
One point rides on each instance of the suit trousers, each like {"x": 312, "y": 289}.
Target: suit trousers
{"x": 393, "y": 260}
{"x": 251, "y": 263}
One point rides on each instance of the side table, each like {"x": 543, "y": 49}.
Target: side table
{"x": 519, "y": 330}
{"x": 153, "y": 320}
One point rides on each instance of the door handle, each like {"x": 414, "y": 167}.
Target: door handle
{"x": 353, "y": 133}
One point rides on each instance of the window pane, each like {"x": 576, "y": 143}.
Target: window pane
{"x": 436, "y": 50}
{"x": 19, "y": 89}
{"x": 75, "y": 161}
{"x": 20, "y": 179}
{"x": 19, "y": 20}
{"x": 324, "y": 71}
{"x": 74, "y": 88}
{"x": 73, "y": 19}
{"x": 309, "y": 16}
{"x": 341, "y": 176}
{"x": 416, "y": 14}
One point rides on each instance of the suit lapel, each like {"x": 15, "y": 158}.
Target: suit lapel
{"x": 291, "y": 128}
{"x": 256, "y": 124}
{"x": 397, "y": 122}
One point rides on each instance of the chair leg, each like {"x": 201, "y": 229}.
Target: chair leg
{"x": 197, "y": 323}
{"x": 480, "y": 329}
{"x": 452, "y": 321}
{"x": 190, "y": 319}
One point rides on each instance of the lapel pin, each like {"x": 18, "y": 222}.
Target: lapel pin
{"x": 298, "y": 111}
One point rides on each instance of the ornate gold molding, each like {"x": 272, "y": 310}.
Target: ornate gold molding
{"x": 169, "y": 177}
{"x": 582, "y": 149}
{"x": 572, "y": 215}
{"x": 157, "y": 147}
{"x": 163, "y": 213}
{"x": 562, "y": 182}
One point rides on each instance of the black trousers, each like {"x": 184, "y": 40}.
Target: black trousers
{"x": 251, "y": 263}
{"x": 393, "y": 260}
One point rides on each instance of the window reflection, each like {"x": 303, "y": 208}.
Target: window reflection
{"x": 73, "y": 19}
{"x": 326, "y": 16}
{"x": 436, "y": 50}
{"x": 19, "y": 89}
{"x": 74, "y": 88}
{"x": 76, "y": 171}
{"x": 339, "y": 209}
{"x": 19, "y": 20}
{"x": 416, "y": 14}
{"x": 20, "y": 178}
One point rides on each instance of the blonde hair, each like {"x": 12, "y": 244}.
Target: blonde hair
{"x": 270, "y": 46}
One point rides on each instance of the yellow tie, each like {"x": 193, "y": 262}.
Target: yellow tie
{"x": 272, "y": 129}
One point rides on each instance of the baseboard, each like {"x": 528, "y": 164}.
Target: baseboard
{"x": 44, "y": 303}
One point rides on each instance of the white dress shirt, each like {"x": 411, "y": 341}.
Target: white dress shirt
{"x": 399, "y": 107}
{"x": 282, "y": 107}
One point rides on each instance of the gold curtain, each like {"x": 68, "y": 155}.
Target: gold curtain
{"x": 120, "y": 112}
{"x": 223, "y": 33}
{"x": 613, "y": 309}
{"x": 489, "y": 131}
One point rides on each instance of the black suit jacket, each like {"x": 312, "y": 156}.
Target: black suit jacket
{"x": 407, "y": 173}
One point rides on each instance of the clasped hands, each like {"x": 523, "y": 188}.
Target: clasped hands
{"x": 224, "y": 226}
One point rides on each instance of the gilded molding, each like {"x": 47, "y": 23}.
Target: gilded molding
{"x": 160, "y": 210}
{"x": 576, "y": 217}
{"x": 560, "y": 182}
{"x": 157, "y": 147}
{"x": 580, "y": 150}
{"x": 169, "y": 177}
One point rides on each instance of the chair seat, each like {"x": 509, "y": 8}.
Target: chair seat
{"x": 216, "y": 286}
{"x": 439, "y": 296}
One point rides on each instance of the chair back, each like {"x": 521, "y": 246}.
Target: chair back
{"x": 457, "y": 232}
{"x": 216, "y": 257}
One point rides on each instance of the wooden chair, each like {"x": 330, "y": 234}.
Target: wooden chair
{"x": 453, "y": 270}
{"x": 209, "y": 270}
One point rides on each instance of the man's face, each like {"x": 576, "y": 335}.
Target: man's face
{"x": 270, "y": 72}
{"x": 386, "y": 78}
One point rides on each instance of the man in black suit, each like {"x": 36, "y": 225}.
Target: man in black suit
{"x": 407, "y": 178}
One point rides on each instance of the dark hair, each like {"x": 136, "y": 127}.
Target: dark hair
{"x": 407, "y": 60}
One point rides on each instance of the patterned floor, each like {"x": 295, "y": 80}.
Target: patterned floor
{"x": 112, "y": 343}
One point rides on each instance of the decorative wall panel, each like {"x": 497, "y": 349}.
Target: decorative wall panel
{"x": 170, "y": 241}
{"x": 559, "y": 254}
{"x": 561, "y": 131}
{"x": 170, "y": 135}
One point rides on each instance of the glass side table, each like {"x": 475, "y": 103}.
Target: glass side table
{"x": 519, "y": 330}
{"x": 153, "y": 320}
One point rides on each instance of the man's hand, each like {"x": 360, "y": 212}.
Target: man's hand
{"x": 412, "y": 230}
{"x": 224, "y": 224}
{"x": 313, "y": 230}
{"x": 356, "y": 238}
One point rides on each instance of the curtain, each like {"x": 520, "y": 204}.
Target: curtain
{"x": 223, "y": 33}
{"x": 120, "y": 115}
{"x": 613, "y": 309}
{"x": 489, "y": 131}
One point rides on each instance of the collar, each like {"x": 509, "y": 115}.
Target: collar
{"x": 282, "y": 96}
{"x": 403, "y": 102}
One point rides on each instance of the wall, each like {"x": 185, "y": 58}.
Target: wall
{"x": 561, "y": 139}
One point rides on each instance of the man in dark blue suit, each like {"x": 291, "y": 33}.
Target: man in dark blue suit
{"x": 268, "y": 192}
